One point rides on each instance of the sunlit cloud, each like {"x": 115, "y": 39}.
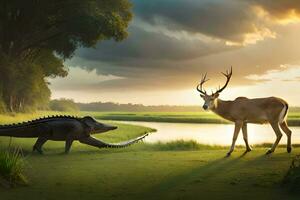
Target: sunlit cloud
{"x": 292, "y": 17}
{"x": 254, "y": 37}
{"x": 281, "y": 74}
{"x": 280, "y": 12}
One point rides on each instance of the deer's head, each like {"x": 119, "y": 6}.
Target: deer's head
{"x": 210, "y": 101}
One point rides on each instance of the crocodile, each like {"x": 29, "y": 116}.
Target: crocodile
{"x": 64, "y": 128}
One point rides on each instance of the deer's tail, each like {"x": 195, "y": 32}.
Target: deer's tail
{"x": 283, "y": 113}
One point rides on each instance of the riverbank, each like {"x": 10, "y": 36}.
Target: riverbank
{"x": 175, "y": 117}
{"x": 172, "y": 117}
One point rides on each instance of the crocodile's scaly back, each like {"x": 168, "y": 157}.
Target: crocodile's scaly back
{"x": 33, "y": 128}
{"x": 40, "y": 120}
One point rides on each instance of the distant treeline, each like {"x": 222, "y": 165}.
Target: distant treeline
{"x": 110, "y": 106}
{"x": 69, "y": 105}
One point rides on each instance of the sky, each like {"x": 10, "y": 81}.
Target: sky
{"x": 171, "y": 43}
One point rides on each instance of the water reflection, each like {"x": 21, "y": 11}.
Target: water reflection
{"x": 213, "y": 134}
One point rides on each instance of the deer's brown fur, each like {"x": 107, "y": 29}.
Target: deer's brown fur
{"x": 272, "y": 110}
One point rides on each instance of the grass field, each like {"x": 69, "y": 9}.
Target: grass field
{"x": 178, "y": 170}
{"x": 133, "y": 173}
{"x": 178, "y": 117}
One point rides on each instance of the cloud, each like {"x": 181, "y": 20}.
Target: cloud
{"x": 150, "y": 45}
{"x": 284, "y": 12}
{"x": 233, "y": 21}
{"x": 172, "y": 42}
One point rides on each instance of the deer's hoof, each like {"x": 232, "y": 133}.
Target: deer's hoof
{"x": 289, "y": 149}
{"x": 228, "y": 155}
{"x": 269, "y": 152}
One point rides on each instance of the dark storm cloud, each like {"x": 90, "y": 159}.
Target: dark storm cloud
{"x": 228, "y": 20}
{"x": 145, "y": 45}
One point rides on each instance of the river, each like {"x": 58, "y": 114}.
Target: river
{"x": 213, "y": 134}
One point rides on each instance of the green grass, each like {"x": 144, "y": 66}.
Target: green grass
{"x": 176, "y": 170}
{"x": 180, "y": 117}
{"x": 153, "y": 174}
{"x": 176, "y": 117}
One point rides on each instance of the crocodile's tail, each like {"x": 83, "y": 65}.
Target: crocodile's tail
{"x": 125, "y": 144}
{"x": 100, "y": 144}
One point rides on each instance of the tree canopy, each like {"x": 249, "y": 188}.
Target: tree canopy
{"x": 37, "y": 35}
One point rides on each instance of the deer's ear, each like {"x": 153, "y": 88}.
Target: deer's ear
{"x": 201, "y": 95}
{"x": 216, "y": 95}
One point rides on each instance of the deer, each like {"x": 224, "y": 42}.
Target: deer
{"x": 243, "y": 110}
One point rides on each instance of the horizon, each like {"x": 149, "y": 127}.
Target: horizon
{"x": 171, "y": 105}
{"x": 167, "y": 51}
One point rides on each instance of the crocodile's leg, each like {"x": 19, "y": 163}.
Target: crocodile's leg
{"x": 68, "y": 145}
{"x": 39, "y": 143}
{"x": 92, "y": 142}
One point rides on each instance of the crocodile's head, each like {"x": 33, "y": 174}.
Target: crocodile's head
{"x": 97, "y": 127}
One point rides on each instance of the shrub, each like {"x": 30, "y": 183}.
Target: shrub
{"x": 12, "y": 167}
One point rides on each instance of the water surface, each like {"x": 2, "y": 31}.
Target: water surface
{"x": 213, "y": 134}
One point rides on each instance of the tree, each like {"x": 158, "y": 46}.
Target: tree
{"x": 37, "y": 35}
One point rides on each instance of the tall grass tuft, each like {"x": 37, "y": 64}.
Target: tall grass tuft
{"x": 12, "y": 166}
{"x": 291, "y": 180}
{"x": 180, "y": 145}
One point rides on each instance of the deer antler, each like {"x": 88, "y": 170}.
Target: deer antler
{"x": 199, "y": 86}
{"x": 228, "y": 75}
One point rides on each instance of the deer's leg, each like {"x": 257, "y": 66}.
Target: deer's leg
{"x": 237, "y": 129}
{"x": 278, "y": 133}
{"x": 39, "y": 143}
{"x": 288, "y": 133}
{"x": 245, "y": 136}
